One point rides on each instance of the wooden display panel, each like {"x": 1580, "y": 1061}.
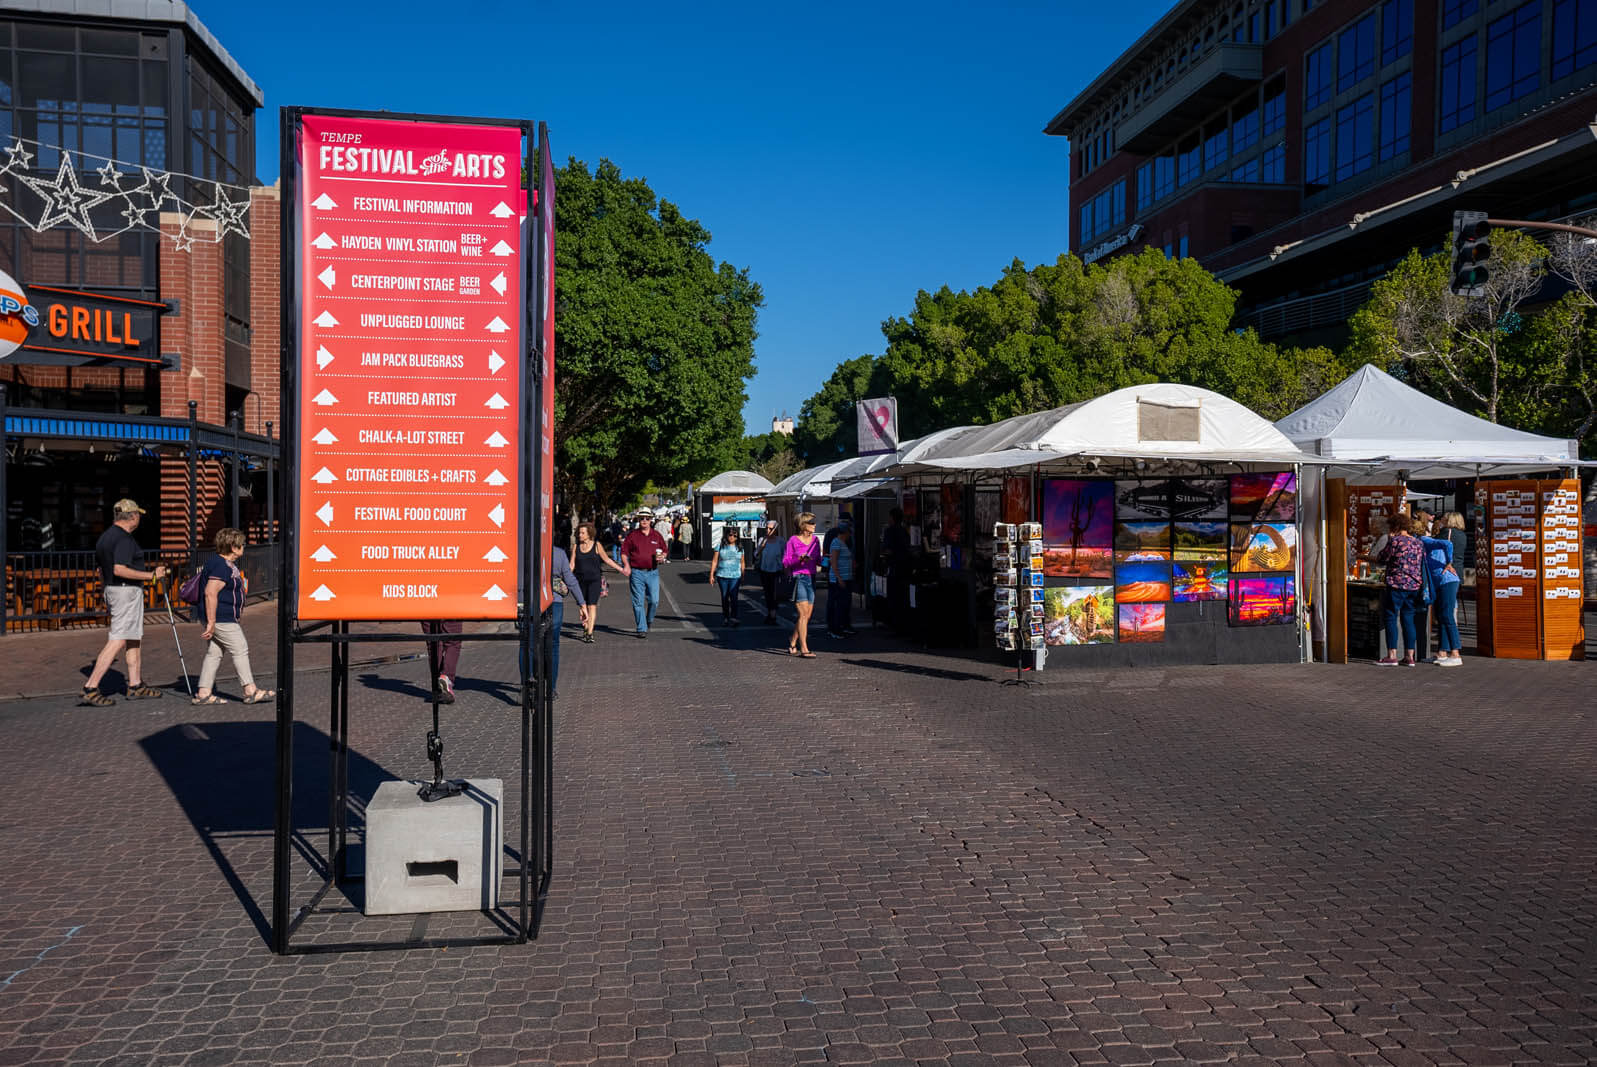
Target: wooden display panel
{"x": 1336, "y": 564}
{"x": 1509, "y": 555}
{"x": 1485, "y": 615}
{"x": 1559, "y": 557}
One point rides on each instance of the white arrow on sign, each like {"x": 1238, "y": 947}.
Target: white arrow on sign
{"x": 324, "y": 202}
{"x": 495, "y": 478}
{"x": 496, "y": 440}
{"x": 324, "y": 476}
{"x": 497, "y": 326}
{"x": 323, "y": 554}
{"x": 323, "y": 594}
{"x": 502, "y": 249}
{"x": 495, "y": 361}
{"x": 501, "y": 210}
{"x": 324, "y": 242}
{"x": 324, "y": 398}
{"x": 325, "y": 319}
{"x": 324, "y": 436}
{"x": 495, "y": 555}
{"x": 498, "y": 514}
{"x": 499, "y": 284}
{"x": 495, "y": 593}
{"x": 323, "y": 357}
{"x": 496, "y": 402}
{"x": 325, "y": 513}
{"x": 328, "y": 277}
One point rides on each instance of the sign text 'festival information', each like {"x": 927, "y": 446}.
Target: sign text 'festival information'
{"x": 411, "y": 298}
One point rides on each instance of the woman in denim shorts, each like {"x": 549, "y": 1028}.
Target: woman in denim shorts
{"x": 802, "y": 557}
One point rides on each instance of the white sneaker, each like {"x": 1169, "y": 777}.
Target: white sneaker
{"x": 1455, "y": 661}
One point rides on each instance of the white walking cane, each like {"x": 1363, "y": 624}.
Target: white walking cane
{"x": 171, "y": 618}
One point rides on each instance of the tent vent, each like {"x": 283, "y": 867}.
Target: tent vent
{"x": 1167, "y": 422}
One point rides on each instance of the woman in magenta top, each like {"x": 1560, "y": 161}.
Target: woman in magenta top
{"x": 800, "y": 559}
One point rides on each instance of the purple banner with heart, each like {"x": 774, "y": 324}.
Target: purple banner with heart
{"x": 878, "y": 426}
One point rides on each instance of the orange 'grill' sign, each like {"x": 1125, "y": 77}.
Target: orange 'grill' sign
{"x": 410, "y": 367}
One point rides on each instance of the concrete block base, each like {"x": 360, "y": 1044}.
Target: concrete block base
{"x": 447, "y": 855}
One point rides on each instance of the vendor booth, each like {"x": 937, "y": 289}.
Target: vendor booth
{"x": 1386, "y": 446}
{"x": 1158, "y": 524}
{"x": 738, "y": 497}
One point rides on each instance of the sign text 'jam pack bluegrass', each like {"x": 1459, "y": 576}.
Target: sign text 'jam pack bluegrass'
{"x": 411, "y": 317}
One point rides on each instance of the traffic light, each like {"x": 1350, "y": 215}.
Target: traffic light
{"x": 1470, "y": 253}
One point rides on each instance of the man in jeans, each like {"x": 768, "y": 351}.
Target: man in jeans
{"x": 122, "y": 568}
{"x": 642, "y": 553}
{"x": 840, "y": 586}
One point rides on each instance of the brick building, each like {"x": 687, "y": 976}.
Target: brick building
{"x": 130, "y": 135}
{"x": 1299, "y": 149}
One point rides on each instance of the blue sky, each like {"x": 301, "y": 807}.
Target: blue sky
{"x": 847, "y": 155}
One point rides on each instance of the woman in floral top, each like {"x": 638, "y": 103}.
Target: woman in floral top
{"x": 1403, "y": 555}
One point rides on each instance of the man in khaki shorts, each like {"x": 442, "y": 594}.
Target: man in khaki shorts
{"x": 121, "y": 565}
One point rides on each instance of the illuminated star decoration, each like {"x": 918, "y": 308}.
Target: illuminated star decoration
{"x": 20, "y": 156}
{"x": 109, "y": 175}
{"x": 228, "y": 214}
{"x": 66, "y": 200}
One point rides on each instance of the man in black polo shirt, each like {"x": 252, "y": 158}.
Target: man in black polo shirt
{"x": 121, "y": 566}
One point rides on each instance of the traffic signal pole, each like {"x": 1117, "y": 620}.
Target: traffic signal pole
{"x": 1528, "y": 224}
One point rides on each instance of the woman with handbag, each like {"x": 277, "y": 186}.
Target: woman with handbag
{"x": 1405, "y": 583}
{"x": 588, "y": 564}
{"x": 769, "y": 555}
{"x": 801, "y": 558}
{"x": 222, "y": 587}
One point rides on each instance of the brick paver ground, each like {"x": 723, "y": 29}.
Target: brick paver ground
{"x": 875, "y": 856}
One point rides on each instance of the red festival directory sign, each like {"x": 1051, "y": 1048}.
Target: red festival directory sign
{"x": 411, "y": 287}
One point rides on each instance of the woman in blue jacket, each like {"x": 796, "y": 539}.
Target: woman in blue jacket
{"x": 1444, "y": 579}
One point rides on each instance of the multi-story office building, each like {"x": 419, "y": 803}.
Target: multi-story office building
{"x": 1298, "y": 149}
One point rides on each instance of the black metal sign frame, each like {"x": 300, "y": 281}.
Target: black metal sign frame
{"x": 533, "y": 631}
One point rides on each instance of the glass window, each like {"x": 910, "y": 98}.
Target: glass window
{"x": 1355, "y": 53}
{"x": 1164, "y": 176}
{"x": 1182, "y": 252}
{"x": 1574, "y": 36}
{"x": 1458, "y": 84}
{"x": 1316, "y": 78}
{"x": 1456, "y": 11}
{"x": 1215, "y": 151}
{"x": 1397, "y": 30}
{"x": 1274, "y": 111}
{"x": 1247, "y": 172}
{"x": 1245, "y": 128}
{"x": 1355, "y": 137}
{"x": 1144, "y": 185}
{"x": 1272, "y": 16}
{"x": 1317, "y": 153}
{"x": 1397, "y": 115}
{"x": 1188, "y": 161}
{"x": 1272, "y": 165}
{"x": 1513, "y": 60}
{"x": 1118, "y": 203}
{"x": 1086, "y": 222}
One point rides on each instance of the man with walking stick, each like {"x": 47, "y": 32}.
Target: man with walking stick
{"x": 121, "y": 566}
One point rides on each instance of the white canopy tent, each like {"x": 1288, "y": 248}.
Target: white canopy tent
{"x": 1389, "y": 426}
{"x": 736, "y": 483}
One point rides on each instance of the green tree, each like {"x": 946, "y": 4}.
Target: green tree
{"x": 825, "y": 429}
{"x": 654, "y": 341}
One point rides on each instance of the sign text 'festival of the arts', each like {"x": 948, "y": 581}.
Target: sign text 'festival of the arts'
{"x": 411, "y": 300}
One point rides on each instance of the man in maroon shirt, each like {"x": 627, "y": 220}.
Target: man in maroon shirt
{"x": 642, "y": 552}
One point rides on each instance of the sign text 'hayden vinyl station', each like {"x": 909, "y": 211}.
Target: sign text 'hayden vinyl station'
{"x": 409, "y": 369}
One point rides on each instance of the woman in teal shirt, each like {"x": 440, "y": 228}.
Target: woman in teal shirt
{"x": 727, "y": 568}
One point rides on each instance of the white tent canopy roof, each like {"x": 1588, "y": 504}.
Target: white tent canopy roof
{"x": 729, "y": 482}
{"x": 1373, "y": 416}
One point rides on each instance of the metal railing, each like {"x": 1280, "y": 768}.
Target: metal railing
{"x": 64, "y": 590}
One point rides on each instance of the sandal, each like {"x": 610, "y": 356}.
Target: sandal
{"x": 807, "y": 655}
{"x": 95, "y": 699}
{"x": 792, "y": 650}
{"x": 144, "y": 692}
{"x": 260, "y": 696}
{"x": 207, "y": 701}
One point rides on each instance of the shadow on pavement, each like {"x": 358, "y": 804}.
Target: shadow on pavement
{"x": 925, "y": 672}
{"x": 224, "y": 776}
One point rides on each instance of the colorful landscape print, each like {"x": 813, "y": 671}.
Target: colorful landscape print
{"x": 1078, "y": 526}
{"x": 1080, "y": 615}
{"x": 1141, "y": 622}
{"x": 1142, "y": 542}
{"x": 1265, "y": 546}
{"x": 1201, "y": 541}
{"x": 1199, "y": 498}
{"x": 1199, "y": 581}
{"x": 1268, "y": 600}
{"x": 1142, "y": 583}
{"x": 1265, "y": 497}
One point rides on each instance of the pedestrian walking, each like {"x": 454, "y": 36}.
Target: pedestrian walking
{"x": 685, "y": 537}
{"x": 801, "y": 558}
{"x": 223, "y": 588}
{"x": 769, "y": 557}
{"x": 1440, "y": 562}
{"x": 900, "y": 565}
{"x": 565, "y": 584}
{"x": 643, "y": 552}
{"x": 840, "y": 587}
{"x": 588, "y": 565}
{"x": 726, "y": 567}
{"x": 1403, "y": 556}
{"x": 443, "y": 657}
{"x": 122, "y": 570}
